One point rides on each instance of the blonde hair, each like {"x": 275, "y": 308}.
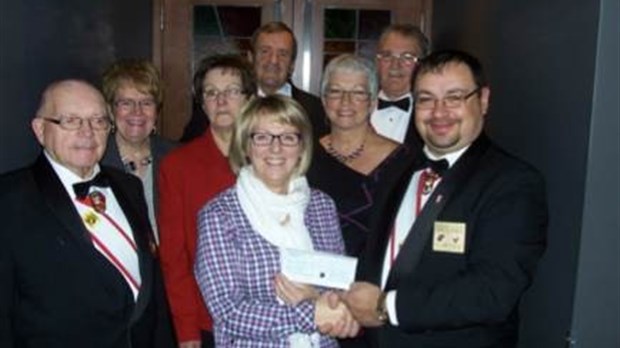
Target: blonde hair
{"x": 281, "y": 109}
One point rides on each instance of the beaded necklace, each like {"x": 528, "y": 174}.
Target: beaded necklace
{"x": 342, "y": 157}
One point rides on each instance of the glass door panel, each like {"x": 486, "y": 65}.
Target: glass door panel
{"x": 184, "y": 31}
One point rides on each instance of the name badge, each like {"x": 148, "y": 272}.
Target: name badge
{"x": 449, "y": 237}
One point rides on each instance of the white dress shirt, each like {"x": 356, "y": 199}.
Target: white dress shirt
{"x": 392, "y": 122}
{"x": 405, "y": 218}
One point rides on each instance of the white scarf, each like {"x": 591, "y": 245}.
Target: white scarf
{"x": 277, "y": 218}
{"x": 280, "y": 220}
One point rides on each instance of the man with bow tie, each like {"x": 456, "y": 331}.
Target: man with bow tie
{"x": 459, "y": 235}
{"x": 399, "y": 49}
{"x": 77, "y": 267}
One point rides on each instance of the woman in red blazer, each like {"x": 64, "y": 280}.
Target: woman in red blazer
{"x": 191, "y": 175}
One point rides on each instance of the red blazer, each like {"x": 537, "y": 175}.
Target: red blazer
{"x": 189, "y": 176}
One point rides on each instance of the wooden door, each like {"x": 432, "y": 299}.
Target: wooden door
{"x": 177, "y": 38}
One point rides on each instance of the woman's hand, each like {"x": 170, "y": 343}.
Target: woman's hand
{"x": 293, "y": 293}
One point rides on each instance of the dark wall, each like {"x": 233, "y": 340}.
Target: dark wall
{"x": 541, "y": 57}
{"x": 45, "y": 40}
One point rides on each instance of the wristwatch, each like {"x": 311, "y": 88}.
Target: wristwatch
{"x": 382, "y": 313}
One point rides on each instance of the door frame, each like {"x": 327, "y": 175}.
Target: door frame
{"x": 172, "y": 43}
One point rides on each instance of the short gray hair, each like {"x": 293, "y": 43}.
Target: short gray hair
{"x": 351, "y": 63}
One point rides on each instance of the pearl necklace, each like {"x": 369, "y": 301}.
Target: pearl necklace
{"x": 342, "y": 157}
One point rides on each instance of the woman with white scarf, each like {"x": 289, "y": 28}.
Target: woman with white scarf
{"x": 241, "y": 232}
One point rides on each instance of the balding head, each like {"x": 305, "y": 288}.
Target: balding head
{"x": 79, "y": 105}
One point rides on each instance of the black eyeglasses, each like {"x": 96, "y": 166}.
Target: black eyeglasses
{"x": 451, "y": 101}
{"x": 266, "y": 139}
{"x": 74, "y": 123}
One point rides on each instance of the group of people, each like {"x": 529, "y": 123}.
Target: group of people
{"x": 116, "y": 237}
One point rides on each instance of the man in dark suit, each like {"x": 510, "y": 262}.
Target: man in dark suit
{"x": 77, "y": 263}
{"x": 400, "y": 48}
{"x": 273, "y": 54}
{"x": 453, "y": 252}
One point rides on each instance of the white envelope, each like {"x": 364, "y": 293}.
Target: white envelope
{"x": 318, "y": 268}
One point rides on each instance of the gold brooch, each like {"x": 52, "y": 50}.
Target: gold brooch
{"x": 90, "y": 219}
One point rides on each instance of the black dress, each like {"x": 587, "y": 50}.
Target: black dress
{"x": 354, "y": 192}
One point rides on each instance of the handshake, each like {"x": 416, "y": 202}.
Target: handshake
{"x": 337, "y": 313}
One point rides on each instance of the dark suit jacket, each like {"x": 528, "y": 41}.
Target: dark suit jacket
{"x": 469, "y": 299}
{"x": 199, "y": 122}
{"x": 56, "y": 289}
{"x": 412, "y": 138}
{"x": 159, "y": 148}
{"x": 314, "y": 108}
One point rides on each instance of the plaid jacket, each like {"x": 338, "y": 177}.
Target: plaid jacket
{"x": 235, "y": 268}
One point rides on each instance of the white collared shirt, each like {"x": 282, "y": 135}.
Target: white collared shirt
{"x": 113, "y": 209}
{"x": 392, "y": 122}
{"x": 405, "y": 218}
{"x": 285, "y": 90}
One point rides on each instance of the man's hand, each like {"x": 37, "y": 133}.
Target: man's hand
{"x": 362, "y": 300}
{"x": 292, "y": 293}
{"x": 333, "y": 318}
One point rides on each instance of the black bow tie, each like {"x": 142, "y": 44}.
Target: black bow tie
{"x": 402, "y": 104}
{"x": 439, "y": 166}
{"x": 81, "y": 188}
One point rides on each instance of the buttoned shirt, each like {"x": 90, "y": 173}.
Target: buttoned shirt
{"x": 392, "y": 122}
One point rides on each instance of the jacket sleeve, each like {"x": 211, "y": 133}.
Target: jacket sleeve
{"x": 218, "y": 261}
{"x": 176, "y": 257}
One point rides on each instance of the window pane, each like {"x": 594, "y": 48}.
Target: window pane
{"x": 205, "y": 22}
{"x": 239, "y": 21}
{"x": 353, "y": 31}
{"x": 223, "y": 29}
{"x": 372, "y": 23}
{"x": 340, "y": 24}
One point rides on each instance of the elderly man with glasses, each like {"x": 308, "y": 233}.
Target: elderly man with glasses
{"x": 399, "y": 49}
{"x": 77, "y": 257}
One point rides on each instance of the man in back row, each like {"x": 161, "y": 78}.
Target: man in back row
{"x": 398, "y": 51}
{"x": 273, "y": 54}
{"x": 458, "y": 238}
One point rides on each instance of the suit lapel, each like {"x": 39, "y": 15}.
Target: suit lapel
{"x": 141, "y": 232}
{"x": 59, "y": 202}
{"x": 61, "y": 205}
{"x": 371, "y": 261}
{"x": 454, "y": 179}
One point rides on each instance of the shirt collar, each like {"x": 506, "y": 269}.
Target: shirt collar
{"x": 66, "y": 176}
{"x": 450, "y": 157}
{"x": 286, "y": 90}
{"x": 383, "y": 96}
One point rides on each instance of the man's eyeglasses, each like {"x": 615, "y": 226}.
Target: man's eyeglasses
{"x": 451, "y": 101}
{"x": 229, "y": 94}
{"x": 338, "y": 94}
{"x": 127, "y": 105}
{"x": 74, "y": 123}
{"x": 266, "y": 139}
{"x": 406, "y": 58}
